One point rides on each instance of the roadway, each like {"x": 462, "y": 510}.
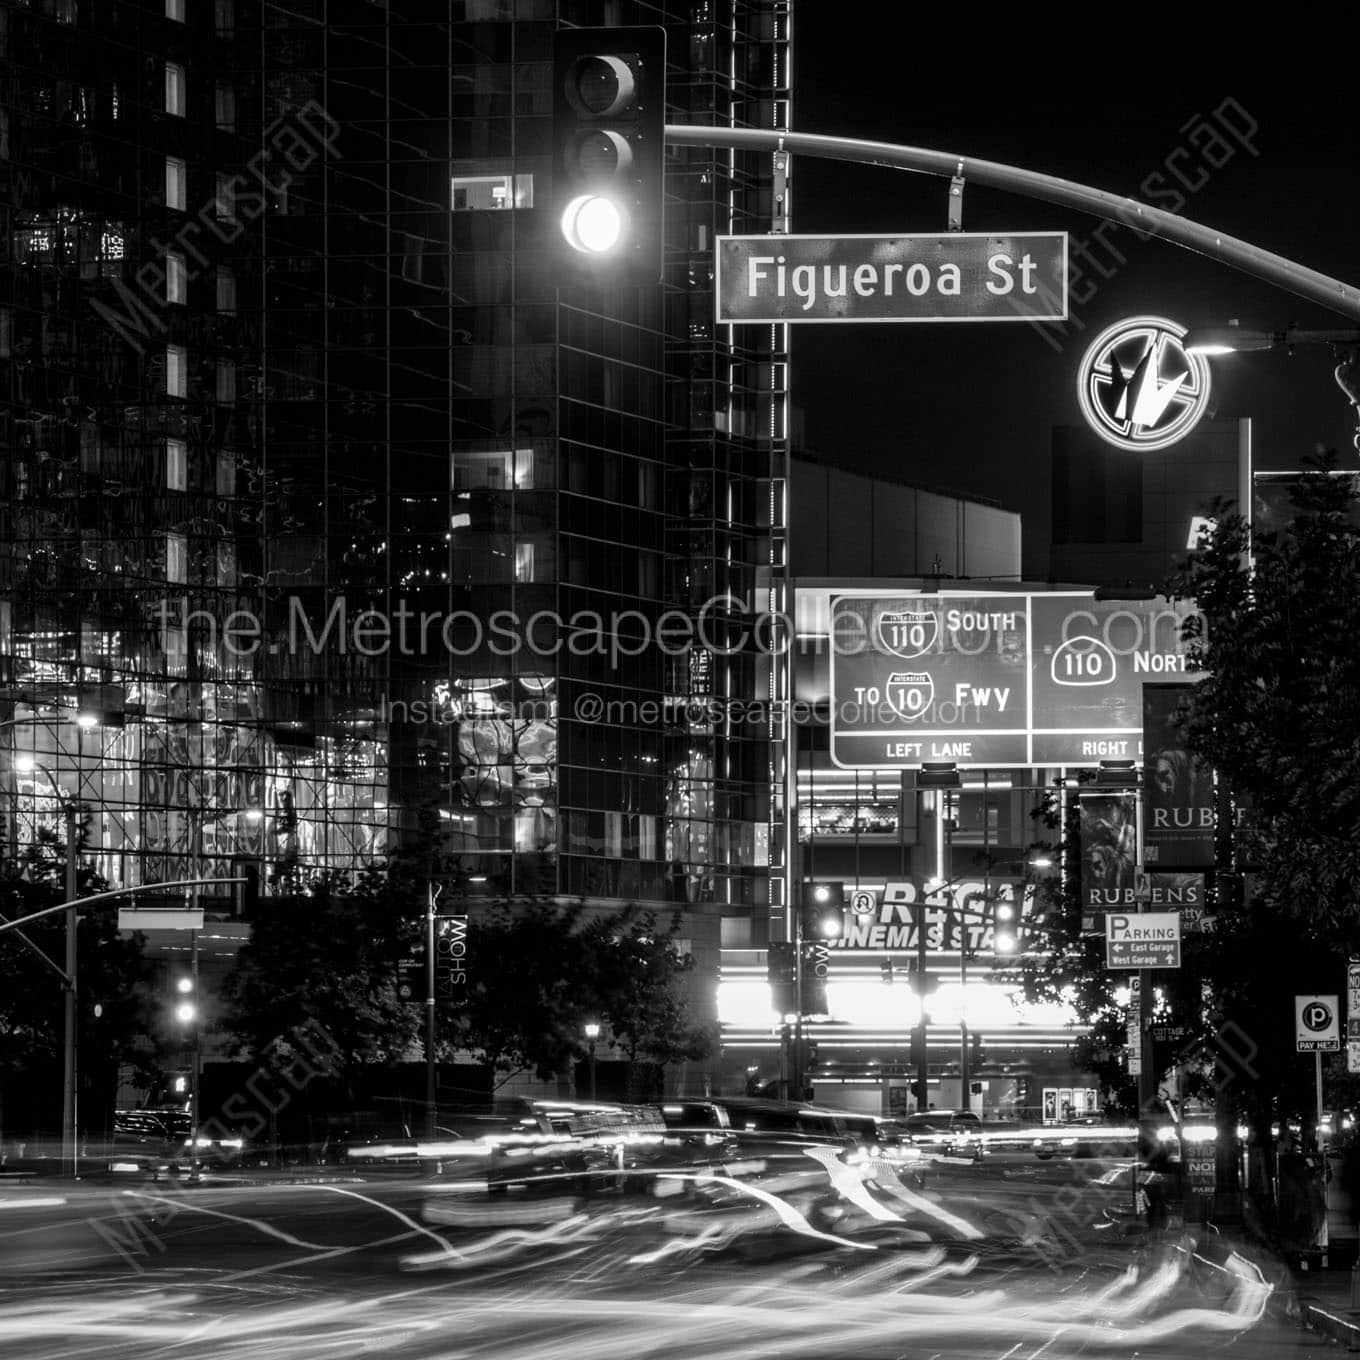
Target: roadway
{"x": 1008, "y": 1259}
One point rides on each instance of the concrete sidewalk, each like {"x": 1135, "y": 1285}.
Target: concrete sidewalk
{"x": 1329, "y": 1303}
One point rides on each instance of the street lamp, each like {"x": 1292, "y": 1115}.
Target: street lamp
{"x": 592, "y": 1033}
{"x": 26, "y": 764}
{"x": 1235, "y": 339}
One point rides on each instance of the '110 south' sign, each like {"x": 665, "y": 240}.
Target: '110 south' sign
{"x": 956, "y": 276}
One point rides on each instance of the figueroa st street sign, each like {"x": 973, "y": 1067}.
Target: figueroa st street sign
{"x": 955, "y": 276}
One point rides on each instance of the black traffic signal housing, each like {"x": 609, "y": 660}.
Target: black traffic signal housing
{"x": 781, "y": 971}
{"x": 823, "y": 912}
{"x": 609, "y": 128}
{"x": 977, "y": 1055}
{"x": 816, "y": 966}
{"x": 247, "y": 892}
{"x": 450, "y": 958}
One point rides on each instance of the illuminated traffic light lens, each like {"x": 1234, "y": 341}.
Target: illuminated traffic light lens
{"x": 185, "y": 1012}
{"x": 593, "y": 224}
{"x": 1005, "y": 944}
{"x": 829, "y": 926}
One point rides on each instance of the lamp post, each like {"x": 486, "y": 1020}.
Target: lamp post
{"x": 26, "y": 764}
{"x": 592, "y": 1034}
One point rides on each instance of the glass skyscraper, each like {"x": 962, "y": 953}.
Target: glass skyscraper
{"x": 296, "y": 408}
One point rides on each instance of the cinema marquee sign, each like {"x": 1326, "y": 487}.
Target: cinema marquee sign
{"x": 890, "y": 919}
{"x": 955, "y": 276}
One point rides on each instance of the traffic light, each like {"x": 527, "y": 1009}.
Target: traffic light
{"x": 1229, "y": 891}
{"x": 816, "y": 966}
{"x": 823, "y": 914}
{"x": 781, "y": 964}
{"x": 450, "y": 958}
{"x": 186, "y": 1007}
{"x": 246, "y": 893}
{"x": 609, "y": 119}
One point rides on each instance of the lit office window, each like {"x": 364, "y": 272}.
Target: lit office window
{"x": 176, "y": 371}
{"x": 174, "y": 88}
{"x": 176, "y": 280}
{"x": 477, "y": 193}
{"x": 176, "y": 183}
{"x": 174, "y": 9}
{"x": 226, "y": 290}
{"x": 176, "y": 465}
{"x": 176, "y": 559}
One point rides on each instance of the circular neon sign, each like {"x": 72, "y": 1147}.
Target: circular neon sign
{"x": 1137, "y": 386}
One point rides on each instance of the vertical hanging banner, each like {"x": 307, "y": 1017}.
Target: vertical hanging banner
{"x": 1178, "y": 790}
{"x": 1353, "y": 1016}
{"x": 450, "y": 958}
{"x": 1109, "y": 849}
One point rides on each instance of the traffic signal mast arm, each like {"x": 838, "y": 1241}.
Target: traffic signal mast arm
{"x": 1139, "y": 217}
{"x": 112, "y": 893}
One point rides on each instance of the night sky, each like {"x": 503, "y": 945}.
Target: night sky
{"x": 969, "y": 407}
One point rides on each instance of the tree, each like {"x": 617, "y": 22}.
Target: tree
{"x": 1276, "y": 715}
{"x": 1066, "y": 963}
{"x": 113, "y": 974}
{"x": 1278, "y": 712}
{"x": 532, "y": 988}
{"x": 642, "y": 993}
{"x": 545, "y": 969}
{"x": 329, "y": 956}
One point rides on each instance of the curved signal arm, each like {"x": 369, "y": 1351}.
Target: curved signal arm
{"x": 1140, "y": 218}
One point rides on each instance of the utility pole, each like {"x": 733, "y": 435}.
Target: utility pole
{"x": 922, "y": 1031}
{"x": 795, "y": 1091}
{"x": 69, "y": 1148}
{"x": 431, "y": 1086}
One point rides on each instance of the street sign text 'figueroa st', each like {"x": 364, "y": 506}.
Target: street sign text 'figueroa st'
{"x": 955, "y": 276}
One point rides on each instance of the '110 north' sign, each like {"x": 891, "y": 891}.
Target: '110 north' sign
{"x": 956, "y": 276}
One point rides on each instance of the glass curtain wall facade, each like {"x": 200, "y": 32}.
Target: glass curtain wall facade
{"x": 294, "y": 410}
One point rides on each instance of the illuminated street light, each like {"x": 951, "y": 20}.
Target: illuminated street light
{"x": 592, "y": 1032}
{"x": 1235, "y": 339}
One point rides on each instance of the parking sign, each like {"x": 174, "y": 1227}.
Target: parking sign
{"x": 1317, "y": 1024}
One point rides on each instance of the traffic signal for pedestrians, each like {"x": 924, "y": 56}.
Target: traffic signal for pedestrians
{"x": 609, "y": 119}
